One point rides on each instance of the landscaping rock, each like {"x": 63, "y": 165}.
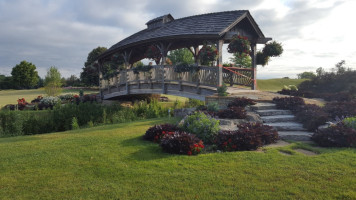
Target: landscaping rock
{"x": 253, "y": 117}
{"x": 183, "y": 112}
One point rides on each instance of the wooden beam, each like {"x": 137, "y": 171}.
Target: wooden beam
{"x": 254, "y": 67}
{"x": 220, "y": 62}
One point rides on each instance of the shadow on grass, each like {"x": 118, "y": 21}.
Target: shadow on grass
{"x": 146, "y": 150}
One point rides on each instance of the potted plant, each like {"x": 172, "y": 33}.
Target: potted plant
{"x": 153, "y": 53}
{"x": 207, "y": 54}
{"x": 239, "y": 44}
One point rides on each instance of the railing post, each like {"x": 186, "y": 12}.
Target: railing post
{"x": 138, "y": 82}
{"x": 198, "y": 84}
{"x": 150, "y": 78}
{"x": 254, "y": 71}
{"x": 164, "y": 89}
{"x": 127, "y": 82}
{"x": 231, "y": 79}
{"x": 219, "y": 63}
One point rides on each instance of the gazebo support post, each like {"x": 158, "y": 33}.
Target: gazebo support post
{"x": 163, "y": 48}
{"x": 254, "y": 67}
{"x": 220, "y": 62}
{"x": 127, "y": 55}
{"x": 195, "y": 51}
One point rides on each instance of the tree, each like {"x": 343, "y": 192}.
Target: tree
{"x": 90, "y": 74}
{"x": 306, "y": 75}
{"x": 6, "y": 82}
{"x": 242, "y": 60}
{"x": 72, "y": 81}
{"x": 24, "y": 75}
{"x": 53, "y": 82}
{"x": 181, "y": 56}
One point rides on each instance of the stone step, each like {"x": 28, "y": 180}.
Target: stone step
{"x": 287, "y": 126}
{"x": 228, "y": 128}
{"x": 273, "y": 112}
{"x": 295, "y": 135}
{"x": 263, "y": 106}
{"x": 278, "y": 118}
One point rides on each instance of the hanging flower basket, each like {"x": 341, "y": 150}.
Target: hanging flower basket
{"x": 239, "y": 44}
{"x": 207, "y": 54}
{"x": 153, "y": 53}
{"x": 262, "y": 59}
{"x": 273, "y": 49}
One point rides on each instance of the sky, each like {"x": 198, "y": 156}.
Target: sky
{"x": 61, "y": 33}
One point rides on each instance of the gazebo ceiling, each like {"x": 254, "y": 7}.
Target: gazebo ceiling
{"x": 190, "y": 31}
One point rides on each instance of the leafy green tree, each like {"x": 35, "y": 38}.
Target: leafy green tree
{"x": 306, "y": 75}
{"x": 90, "y": 74}
{"x": 53, "y": 82}
{"x": 72, "y": 81}
{"x": 24, "y": 75}
{"x": 242, "y": 60}
{"x": 138, "y": 64}
{"x": 181, "y": 56}
{"x": 6, "y": 82}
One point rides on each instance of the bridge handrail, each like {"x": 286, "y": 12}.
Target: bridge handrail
{"x": 203, "y": 76}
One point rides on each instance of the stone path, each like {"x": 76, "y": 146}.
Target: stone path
{"x": 283, "y": 121}
{"x": 264, "y": 95}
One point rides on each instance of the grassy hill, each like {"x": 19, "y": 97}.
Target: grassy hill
{"x": 277, "y": 84}
{"x": 113, "y": 162}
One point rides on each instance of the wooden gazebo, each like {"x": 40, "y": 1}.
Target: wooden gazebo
{"x": 167, "y": 33}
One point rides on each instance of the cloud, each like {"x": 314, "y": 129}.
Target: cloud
{"x": 62, "y": 33}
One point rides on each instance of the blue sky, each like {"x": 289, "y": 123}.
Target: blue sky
{"x": 314, "y": 33}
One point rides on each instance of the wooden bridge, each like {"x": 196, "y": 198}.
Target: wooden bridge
{"x": 166, "y": 34}
{"x": 163, "y": 79}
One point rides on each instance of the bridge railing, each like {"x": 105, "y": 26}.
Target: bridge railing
{"x": 238, "y": 76}
{"x": 199, "y": 76}
{"x": 203, "y": 75}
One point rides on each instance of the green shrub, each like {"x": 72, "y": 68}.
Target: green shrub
{"x": 213, "y": 107}
{"x": 75, "y": 125}
{"x": 195, "y": 102}
{"x": 350, "y": 122}
{"x": 37, "y": 122}
{"x": 90, "y": 124}
{"x": 202, "y": 126}
{"x": 222, "y": 90}
{"x": 11, "y": 123}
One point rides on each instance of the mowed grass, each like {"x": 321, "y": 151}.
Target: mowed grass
{"x": 113, "y": 162}
{"x": 274, "y": 85}
{"x": 11, "y": 96}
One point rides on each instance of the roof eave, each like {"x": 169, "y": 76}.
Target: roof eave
{"x": 252, "y": 21}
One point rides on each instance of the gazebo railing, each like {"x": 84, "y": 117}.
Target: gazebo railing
{"x": 237, "y": 76}
{"x": 160, "y": 76}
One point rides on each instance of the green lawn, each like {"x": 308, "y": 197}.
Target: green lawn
{"x": 274, "y": 85}
{"x": 11, "y": 96}
{"x": 113, "y": 162}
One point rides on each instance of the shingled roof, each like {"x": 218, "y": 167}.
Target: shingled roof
{"x": 209, "y": 26}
